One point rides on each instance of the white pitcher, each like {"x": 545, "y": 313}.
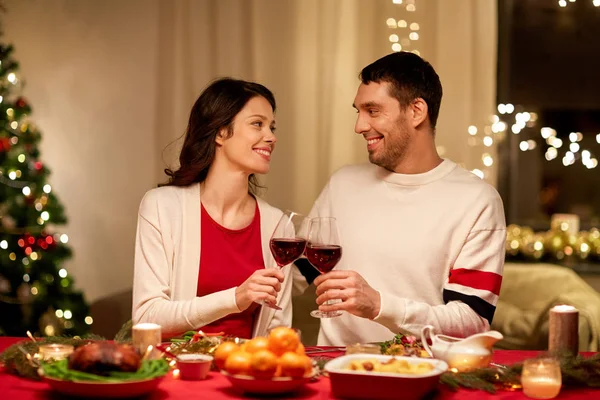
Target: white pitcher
{"x": 463, "y": 354}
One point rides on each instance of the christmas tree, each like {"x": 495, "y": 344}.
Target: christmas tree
{"x": 36, "y": 293}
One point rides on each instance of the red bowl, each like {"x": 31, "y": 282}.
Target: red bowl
{"x": 104, "y": 389}
{"x": 250, "y": 385}
{"x": 381, "y": 385}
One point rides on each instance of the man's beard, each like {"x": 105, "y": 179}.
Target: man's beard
{"x": 394, "y": 149}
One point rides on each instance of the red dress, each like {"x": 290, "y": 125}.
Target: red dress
{"x": 227, "y": 258}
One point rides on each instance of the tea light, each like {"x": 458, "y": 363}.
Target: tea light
{"x": 55, "y": 351}
{"x": 145, "y": 335}
{"x": 564, "y": 330}
{"x": 541, "y": 378}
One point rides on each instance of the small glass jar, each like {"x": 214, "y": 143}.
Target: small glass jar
{"x": 541, "y": 378}
{"x": 54, "y": 351}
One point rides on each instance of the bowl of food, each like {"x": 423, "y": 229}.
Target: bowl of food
{"x": 372, "y": 376}
{"x": 193, "y": 367}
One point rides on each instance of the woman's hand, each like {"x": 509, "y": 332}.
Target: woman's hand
{"x": 262, "y": 285}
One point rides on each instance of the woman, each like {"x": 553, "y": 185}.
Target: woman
{"x": 203, "y": 238}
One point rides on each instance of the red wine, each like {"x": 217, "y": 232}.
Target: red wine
{"x": 285, "y": 251}
{"x": 323, "y": 257}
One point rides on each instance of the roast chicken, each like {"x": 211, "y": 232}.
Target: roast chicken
{"x": 100, "y": 358}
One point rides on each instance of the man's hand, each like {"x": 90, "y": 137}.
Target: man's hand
{"x": 357, "y": 296}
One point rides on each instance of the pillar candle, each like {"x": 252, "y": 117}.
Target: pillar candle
{"x": 564, "y": 330}
{"x": 144, "y": 335}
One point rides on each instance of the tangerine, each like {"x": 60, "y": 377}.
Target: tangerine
{"x": 256, "y": 344}
{"x": 263, "y": 364}
{"x": 224, "y": 350}
{"x": 294, "y": 365}
{"x": 300, "y": 349}
{"x": 283, "y": 339}
{"x": 238, "y": 363}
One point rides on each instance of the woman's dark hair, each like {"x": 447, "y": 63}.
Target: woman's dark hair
{"x": 214, "y": 110}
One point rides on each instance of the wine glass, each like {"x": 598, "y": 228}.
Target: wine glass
{"x": 287, "y": 242}
{"x": 324, "y": 251}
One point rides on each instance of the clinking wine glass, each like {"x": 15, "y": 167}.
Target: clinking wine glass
{"x": 288, "y": 240}
{"x": 324, "y": 251}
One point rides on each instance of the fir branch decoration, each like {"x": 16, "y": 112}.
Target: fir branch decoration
{"x": 488, "y": 379}
{"x": 577, "y": 371}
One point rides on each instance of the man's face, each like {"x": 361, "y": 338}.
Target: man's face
{"x": 383, "y": 123}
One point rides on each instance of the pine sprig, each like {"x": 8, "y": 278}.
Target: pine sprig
{"x": 488, "y": 379}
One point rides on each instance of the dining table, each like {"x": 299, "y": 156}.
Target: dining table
{"x": 218, "y": 387}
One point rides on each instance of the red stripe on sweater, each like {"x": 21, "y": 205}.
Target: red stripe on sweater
{"x": 481, "y": 280}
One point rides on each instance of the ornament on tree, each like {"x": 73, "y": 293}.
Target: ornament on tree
{"x": 5, "y": 144}
{"x": 21, "y": 103}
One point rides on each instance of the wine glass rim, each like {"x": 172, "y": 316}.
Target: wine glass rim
{"x": 333, "y": 218}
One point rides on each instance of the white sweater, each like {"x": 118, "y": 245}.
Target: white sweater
{"x": 167, "y": 264}
{"x": 405, "y": 234}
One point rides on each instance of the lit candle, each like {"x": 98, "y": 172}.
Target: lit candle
{"x": 541, "y": 378}
{"x": 564, "y": 330}
{"x": 55, "y": 351}
{"x": 145, "y": 335}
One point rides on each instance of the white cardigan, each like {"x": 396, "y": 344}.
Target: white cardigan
{"x": 167, "y": 263}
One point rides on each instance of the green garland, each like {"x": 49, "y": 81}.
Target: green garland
{"x": 577, "y": 371}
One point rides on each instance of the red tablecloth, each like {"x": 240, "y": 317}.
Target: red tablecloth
{"x": 217, "y": 387}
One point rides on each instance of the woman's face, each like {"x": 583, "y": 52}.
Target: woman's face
{"x": 249, "y": 148}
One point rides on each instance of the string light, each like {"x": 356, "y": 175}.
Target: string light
{"x": 405, "y": 40}
{"x": 68, "y": 314}
{"x": 522, "y": 120}
{"x": 47, "y": 188}
{"x": 89, "y": 320}
{"x": 62, "y": 273}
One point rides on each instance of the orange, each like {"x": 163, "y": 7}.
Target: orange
{"x": 282, "y": 339}
{"x": 238, "y": 363}
{"x": 223, "y": 351}
{"x": 256, "y": 344}
{"x": 263, "y": 364}
{"x": 300, "y": 349}
{"x": 294, "y": 365}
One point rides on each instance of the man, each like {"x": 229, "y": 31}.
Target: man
{"x": 423, "y": 239}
